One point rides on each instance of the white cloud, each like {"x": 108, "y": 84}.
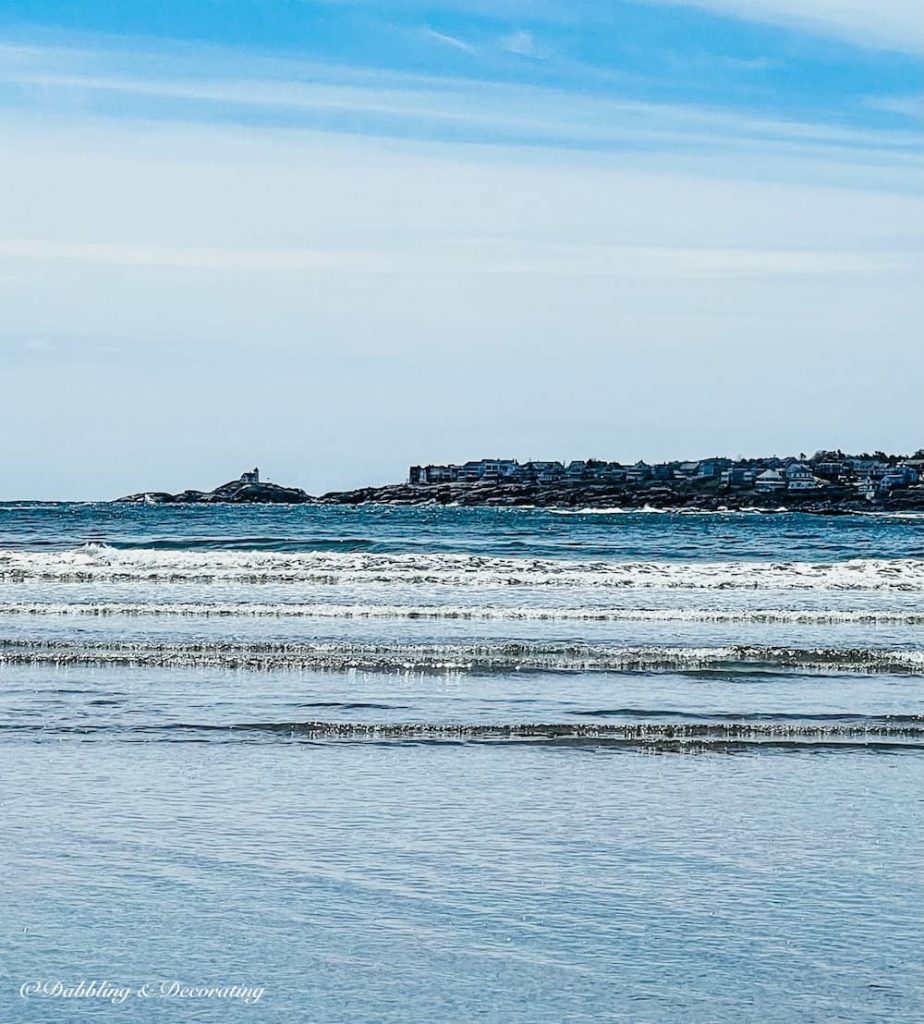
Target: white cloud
{"x": 883, "y": 24}
{"x": 521, "y": 43}
{"x": 448, "y": 40}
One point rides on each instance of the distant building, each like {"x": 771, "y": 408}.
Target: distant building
{"x": 770, "y": 480}
{"x": 546, "y": 472}
{"x": 900, "y": 476}
{"x": 831, "y": 469}
{"x": 253, "y": 477}
{"x": 712, "y": 467}
{"x": 868, "y": 466}
{"x": 870, "y": 474}
{"x": 433, "y": 474}
{"x": 737, "y": 476}
{"x": 639, "y": 472}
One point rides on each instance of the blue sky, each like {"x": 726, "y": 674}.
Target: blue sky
{"x": 337, "y": 238}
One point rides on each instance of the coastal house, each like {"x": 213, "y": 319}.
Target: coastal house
{"x": 800, "y": 478}
{"x": 251, "y": 477}
{"x": 867, "y": 486}
{"x": 738, "y": 476}
{"x": 594, "y": 469}
{"x": 470, "y": 471}
{"x": 639, "y": 472}
{"x": 597, "y": 469}
{"x": 712, "y": 467}
{"x": 546, "y": 472}
{"x": 492, "y": 469}
{"x": 868, "y": 466}
{"x": 899, "y": 476}
{"x": 613, "y": 472}
{"x": 770, "y": 480}
{"x": 433, "y": 474}
{"x": 831, "y": 469}
{"x": 907, "y": 472}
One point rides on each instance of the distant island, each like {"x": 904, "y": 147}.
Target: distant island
{"x": 826, "y": 482}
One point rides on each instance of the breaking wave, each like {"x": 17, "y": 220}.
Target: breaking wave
{"x": 688, "y": 736}
{"x": 474, "y": 613}
{"x": 100, "y": 563}
{"x": 485, "y": 657}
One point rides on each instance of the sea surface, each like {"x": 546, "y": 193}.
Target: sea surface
{"x": 387, "y": 765}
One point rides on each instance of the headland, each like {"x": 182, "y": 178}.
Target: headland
{"x": 828, "y": 482}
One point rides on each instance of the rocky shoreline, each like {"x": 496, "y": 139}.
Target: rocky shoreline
{"x": 709, "y": 498}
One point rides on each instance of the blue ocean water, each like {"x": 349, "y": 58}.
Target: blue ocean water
{"x": 410, "y": 764}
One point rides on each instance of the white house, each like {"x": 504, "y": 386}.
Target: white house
{"x": 800, "y": 478}
{"x": 770, "y": 480}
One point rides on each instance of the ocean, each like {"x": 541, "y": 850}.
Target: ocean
{"x": 412, "y": 764}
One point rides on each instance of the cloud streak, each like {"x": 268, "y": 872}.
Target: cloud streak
{"x": 886, "y": 24}
{"x": 341, "y": 99}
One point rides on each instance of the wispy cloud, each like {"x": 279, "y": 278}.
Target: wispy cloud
{"x": 186, "y": 257}
{"x": 479, "y": 256}
{"x": 447, "y": 40}
{"x": 885, "y": 24}
{"x": 521, "y": 43}
{"x": 383, "y": 103}
{"x": 907, "y": 106}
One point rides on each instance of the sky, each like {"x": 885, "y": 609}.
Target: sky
{"x": 334, "y": 239}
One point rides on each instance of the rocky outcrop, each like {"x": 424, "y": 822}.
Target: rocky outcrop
{"x": 831, "y": 500}
{"x": 236, "y": 492}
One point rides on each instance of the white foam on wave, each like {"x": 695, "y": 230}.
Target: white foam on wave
{"x": 651, "y": 510}
{"x": 100, "y": 563}
{"x": 475, "y": 613}
{"x": 480, "y": 657}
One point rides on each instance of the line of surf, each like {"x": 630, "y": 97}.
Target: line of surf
{"x": 482, "y": 657}
{"x": 465, "y": 613}
{"x": 99, "y": 563}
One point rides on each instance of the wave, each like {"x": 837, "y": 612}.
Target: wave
{"x": 690, "y": 736}
{"x": 101, "y": 563}
{"x": 485, "y": 657}
{"x": 749, "y": 510}
{"x": 246, "y": 543}
{"x": 652, "y": 510}
{"x": 475, "y": 613}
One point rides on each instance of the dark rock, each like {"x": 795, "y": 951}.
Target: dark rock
{"x": 236, "y": 492}
{"x": 676, "y": 494}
